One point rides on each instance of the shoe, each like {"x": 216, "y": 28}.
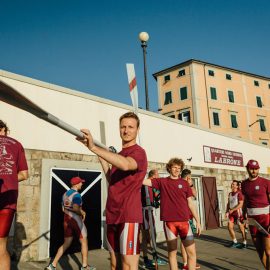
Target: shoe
{"x": 149, "y": 264}
{"x": 243, "y": 246}
{"x": 50, "y": 267}
{"x": 185, "y": 267}
{"x": 234, "y": 245}
{"x": 161, "y": 261}
{"x": 88, "y": 267}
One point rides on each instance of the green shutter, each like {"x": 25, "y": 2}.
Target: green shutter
{"x": 216, "y": 118}
{"x": 183, "y": 93}
{"x": 262, "y": 125}
{"x": 168, "y": 98}
{"x": 234, "y": 121}
{"x": 213, "y": 93}
{"x": 231, "y": 96}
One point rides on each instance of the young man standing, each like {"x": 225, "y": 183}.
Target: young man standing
{"x": 256, "y": 190}
{"x": 13, "y": 169}
{"x": 74, "y": 218}
{"x": 147, "y": 203}
{"x": 235, "y": 215}
{"x": 186, "y": 175}
{"x": 125, "y": 177}
{"x": 175, "y": 203}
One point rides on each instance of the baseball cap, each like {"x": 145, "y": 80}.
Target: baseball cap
{"x": 253, "y": 164}
{"x": 76, "y": 180}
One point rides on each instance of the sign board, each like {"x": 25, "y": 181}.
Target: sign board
{"x": 222, "y": 156}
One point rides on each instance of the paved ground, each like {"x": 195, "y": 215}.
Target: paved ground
{"x": 212, "y": 250}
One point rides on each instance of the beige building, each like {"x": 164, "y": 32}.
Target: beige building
{"x": 226, "y": 100}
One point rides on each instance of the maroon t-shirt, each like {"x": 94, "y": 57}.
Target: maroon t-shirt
{"x": 173, "y": 198}
{"x": 256, "y": 192}
{"x": 12, "y": 161}
{"x": 124, "y": 193}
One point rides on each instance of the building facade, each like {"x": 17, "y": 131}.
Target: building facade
{"x": 225, "y": 100}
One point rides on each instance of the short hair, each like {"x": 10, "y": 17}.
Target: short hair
{"x": 4, "y": 125}
{"x": 130, "y": 115}
{"x": 185, "y": 173}
{"x": 237, "y": 182}
{"x": 175, "y": 161}
{"x": 151, "y": 173}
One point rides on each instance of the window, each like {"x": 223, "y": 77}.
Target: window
{"x": 168, "y": 98}
{"x": 216, "y": 118}
{"x": 184, "y": 116}
{"x": 259, "y": 102}
{"x": 167, "y": 78}
{"x": 213, "y": 93}
{"x": 183, "y": 93}
{"x": 262, "y": 125}
{"x": 172, "y": 116}
{"x": 264, "y": 143}
{"x": 231, "y": 96}
{"x": 256, "y": 83}
{"x": 211, "y": 73}
{"x": 234, "y": 121}
{"x": 269, "y": 85}
{"x": 228, "y": 76}
{"x": 182, "y": 72}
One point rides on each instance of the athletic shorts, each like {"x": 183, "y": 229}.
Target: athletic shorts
{"x": 264, "y": 220}
{"x": 181, "y": 228}
{"x": 146, "y": 221}
{"x": 74, "y": 226}
{"x": 123, "y": 238}
{"x": 236, "y": 218}
{"x": 6, "y": 218}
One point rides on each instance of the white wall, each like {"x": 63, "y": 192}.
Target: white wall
{"x": 161, "y": 136}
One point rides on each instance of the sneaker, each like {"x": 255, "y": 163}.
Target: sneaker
{"x": 243, "y": 246}
{"x": 50, "y": 267}
{"x": 161, "y": 261}
{"x": 234, "y": 245}
{"x": 149, "y": 264}
{"x": 88, "y": 267}
{"x": 185, "y": 267}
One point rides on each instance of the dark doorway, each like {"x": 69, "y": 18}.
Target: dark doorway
{"x": 91, "y": 196}
{"x": 210, "y": 202}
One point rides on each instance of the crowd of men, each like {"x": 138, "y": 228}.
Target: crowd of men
{"x": 125, "y": 173}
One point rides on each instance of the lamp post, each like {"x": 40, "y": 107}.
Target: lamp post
{"x": 143, "y": 36}
{"x": 254, "y": 123}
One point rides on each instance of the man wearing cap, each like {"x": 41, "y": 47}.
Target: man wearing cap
{"x": 125, "y": 172}
{"x": 256, "y": 191}
{"x": 73, "y": 223}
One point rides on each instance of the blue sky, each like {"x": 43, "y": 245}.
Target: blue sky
{"x": 84, "y": 45}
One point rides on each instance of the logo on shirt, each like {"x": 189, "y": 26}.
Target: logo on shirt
{"x": 180, "y": 186}
{"x": 257, "y": 187}
{"x": 130, "y": 244}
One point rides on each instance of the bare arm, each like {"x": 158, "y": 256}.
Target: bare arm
{"x": 195, "y": 215}
{"x": 147, "y": 182}
{"x": 120, "y": 162}
{"x": 240, "y": 205}
{"x": 22, "y": 175}
{"x": 106, "y": 168}
{"x": 78, "y": 210}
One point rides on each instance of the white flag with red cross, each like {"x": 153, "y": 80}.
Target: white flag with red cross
{"x": 133, "y": 86}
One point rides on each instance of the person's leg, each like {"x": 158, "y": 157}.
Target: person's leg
{"x": 172, "y": 252}
{"x": 61, "y": 250}
{"x": 243, "y": 232}
{"x": 115, "y": 261}
{"x": 191, "y": 253}
{"x": 231, "y": 231}
{"x": 266, "y": 256}
{"x": 5, "y": 259}
{"x": 130, "y": 262}
{"x": 84, "y": 251}
{"x": 184, "y": 254}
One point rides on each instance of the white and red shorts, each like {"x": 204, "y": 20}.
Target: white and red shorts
{"x": 123, "y": 238}
{"x": 6, "y": 218}
{"x": 74, "y": 226}
{"x": 146, "y": 219}
{"x": 236, "y": 217}
{"x": 264, "y": 221}
{"x": 181, "y": 228}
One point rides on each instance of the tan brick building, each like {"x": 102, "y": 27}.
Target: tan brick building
{"x": 226, "y": 100}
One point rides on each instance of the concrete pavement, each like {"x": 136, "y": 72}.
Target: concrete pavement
{"x": 212, "y": 250}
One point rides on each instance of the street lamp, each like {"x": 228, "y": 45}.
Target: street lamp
{"x": 143, "y": 36}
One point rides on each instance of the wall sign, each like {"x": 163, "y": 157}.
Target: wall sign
{"x": 222, "y": 156}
